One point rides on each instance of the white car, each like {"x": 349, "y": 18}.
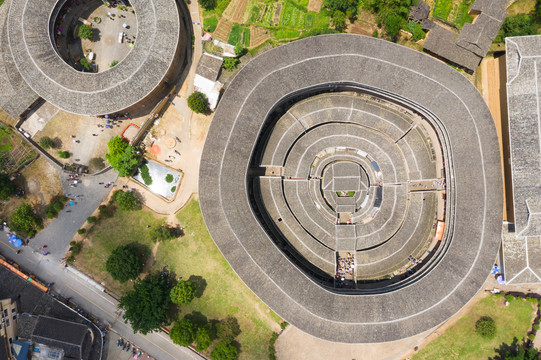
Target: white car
{"x": 120, "y": 37}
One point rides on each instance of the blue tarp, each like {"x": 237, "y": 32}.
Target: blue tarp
{"x": 495, "y": 270}
{"x": 20, "y": 349}
{"x": 15, "y": 241}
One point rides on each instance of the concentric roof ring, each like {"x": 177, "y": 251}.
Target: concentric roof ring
{"x": 466, "y": 131}
{"x": 159, "y": 36}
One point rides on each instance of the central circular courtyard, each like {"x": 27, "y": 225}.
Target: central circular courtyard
{"x": 354, "y": 185}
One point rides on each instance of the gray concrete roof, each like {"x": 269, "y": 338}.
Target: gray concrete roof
{"x": 135, "y": 77}
{"x": 474, "y": 197}
{"x": 523, "y": 98}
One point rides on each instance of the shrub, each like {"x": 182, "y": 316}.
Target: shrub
{"x": 531, "y": 337}
{"x": 339, "y": 20}
{"x": 92, "y": 219}
{"x": 224, "y": 351}
{"x": 23, "y": 220}
{"x": 58, "y": 206}
{"x": 113, "y": 63}
{"x": 46, "y": 142}
{"x": 86, "y": 65}
{"x": 198, "y": 102}
{"x": 63, "y": 154}
{"x": 183, "y": 292}
{"x": 228, "y": 329}
{"x": 7, "y": 187}
{"x": 126, "y": 200}
{"x": 81, "y": 231}
{"x": 375, "y": 33}
{"x": 486, "y": 327}
{"x": 124, "y": 263}
{"x": 416, "y": 30}
{"x": 283, "y": 325}
{"x": 173, "y": 189}
{"x": 203, "y": 338}
{"x": 509, "y": 297}
{"x": 50, "y": 214}
{"x": 272, "y": 350}
{"x": 76, "y": 248}
{"x": 85, "y": 32}
{"x": 169, "y": 178}
{"x": 207, "y": 4}
{"x": 183, "y": 332}
{"x": 145, "y": 174}
{"x": 70, "y": 259}
{"x": 162, "y": 232}
{"x": 230, "y": 63}
{"x": 536, "y": 327}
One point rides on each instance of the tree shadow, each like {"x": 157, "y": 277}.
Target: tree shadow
{"x": 236, "y": 344}
{"x": 143, "y": 250}
{"x": 198, "y": 319}
{"x": 504, "y": 351}
{"x": 200, "y": 283}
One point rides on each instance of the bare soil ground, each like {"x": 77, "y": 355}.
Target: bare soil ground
{"x": 222, "y": 30}
{"x": 238, "y": 6}
{"x": 314, "y": 5}
{"x": 258, "y": 35}
{"x": 40, "y": 181}
{"x": 361, "y": 29}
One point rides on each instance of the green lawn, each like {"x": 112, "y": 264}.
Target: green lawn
{"x": 461, "y": 14}
{"x": 239, "y": 35}
{"x": 194, "y": 254}
{"x": 224, "y": 294}
{"x": 461, "y": 342}
{"x": 442, "y": 8}
{"x": 210, "y": 23}
{"x": 280, "y": 34}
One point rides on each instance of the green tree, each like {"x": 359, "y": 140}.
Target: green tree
{"x": 63, "y": 154}
{"x": 23, "y": 220}
{"x": 416, "y": 30}
{"x": 517, "y": 25}
{"x": 198, "y": 102}
{"x": 228, "y": 329}
{"x": 162, "y": 232}
{"x": 537, "y": 12}
{"x": 224, "y": 351}
{"x": 46, "y": 142}
{"x": 203, "y": 338}
{"x": 339, "y": 20}
{"x": 393, "y": 23}
{"x": 7, "y": 187}
{"x": 85, "y": 64}
{"x": 126, "y": 200}
{"x": 121, "y": 156}
{"x": 230, "y": 63}
{"x": 347, "y": 7}
{"x": 124, "y": 263}
{"x": 486, "y": 327}
{"x": 183, "y": 292}
{"x": 207, "y": 4}
{"x": 183, "y": 332}
{"x": 169, "y": 178}
{"x": 85, "y": 32}
{"x": 239, "y": 50}
{"x": 145, "y": 307}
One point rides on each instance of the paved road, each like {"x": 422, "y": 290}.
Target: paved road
{"x": 49, "y": 268}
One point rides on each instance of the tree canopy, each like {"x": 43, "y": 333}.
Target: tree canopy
{"x": 7, "y": 187}
{"x": 183, "y": 332}
{"x": 85, "y": 32}
{"x": 228, "y": 329}
{"x": 124, "y": 263}
{"x": 394, "y": 14}
{"x": 486, "y": 327}
{"x": 224, "y": 351}
{"x": 183, "y": 292}
{"x": 230, "y": 63}
{"x": 126, "y": 200}
{"x": 121, "y": 156}
{"x": 339, "y": 20}
{"x": 207, "y": 4}
{"x": 145, "y": 307}
{"x": 198, "y": 102}
{"x": 203, "y": 338}
{"x": 162, "y": 232}
{"x": 517, "y": 25}
{"x": 23, "y": 220}
{"x": 46, "y": 142}
{"x": 347, "y": 7}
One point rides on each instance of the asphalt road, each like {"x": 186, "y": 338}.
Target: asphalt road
{"x": 50, "y": 269}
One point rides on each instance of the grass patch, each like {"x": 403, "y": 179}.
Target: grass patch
{"x": 461, "y": 13}
{"x": 224, "y": 294}
{"x": 521, "y": 7}
{"x": 210, "y": 23}
{"x": 442, "y": 8}
{"x": 461, "y": 342}
{"x": 5, "y": 138}
{"x": 220, "y": 7}
{"x": 239, "y": 35}
{"x": 281, "y": 34}
{"x": 123, "y": 228}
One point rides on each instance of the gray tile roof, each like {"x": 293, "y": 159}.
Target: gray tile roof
{"x": 62, "y": 334}
{"x": 522, "y": 254}
{"x": 209, "y": 66}
{"x": 249, "y": 238}
{"x": 442, "y": 42}
{"x": 160, "y": 37}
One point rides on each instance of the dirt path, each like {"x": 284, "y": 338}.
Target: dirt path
{"x": 493, "y": 88}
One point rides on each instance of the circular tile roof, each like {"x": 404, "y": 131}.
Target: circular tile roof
{"x": 252, "y": 197}
{"x": 135, "y": 77}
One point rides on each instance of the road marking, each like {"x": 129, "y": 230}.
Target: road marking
{"x": 120, "y": 322}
